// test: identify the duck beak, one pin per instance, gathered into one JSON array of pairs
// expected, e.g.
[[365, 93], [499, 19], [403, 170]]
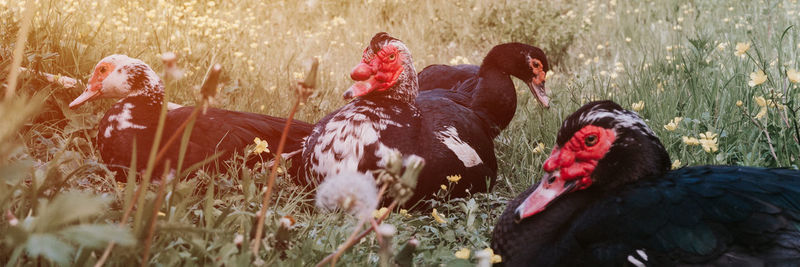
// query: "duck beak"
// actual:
[[540, 91], [364, 76], [90, 93], [549, 189], [360, 88]]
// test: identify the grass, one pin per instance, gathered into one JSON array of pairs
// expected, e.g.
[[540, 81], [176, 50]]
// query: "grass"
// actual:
[[676, 57]]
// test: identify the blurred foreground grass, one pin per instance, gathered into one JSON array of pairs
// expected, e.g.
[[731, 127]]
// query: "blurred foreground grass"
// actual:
[[666, 59]]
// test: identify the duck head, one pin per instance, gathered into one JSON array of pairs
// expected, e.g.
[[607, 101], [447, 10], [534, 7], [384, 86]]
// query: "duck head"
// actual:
[[599, 147], [527, 63], [119, 76], [386, 70]]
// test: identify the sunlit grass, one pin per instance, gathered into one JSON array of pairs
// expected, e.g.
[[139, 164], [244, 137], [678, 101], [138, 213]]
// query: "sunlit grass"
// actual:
[[665, 59]]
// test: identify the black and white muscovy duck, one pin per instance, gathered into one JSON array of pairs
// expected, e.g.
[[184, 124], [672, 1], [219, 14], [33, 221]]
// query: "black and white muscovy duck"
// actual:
[[451, 129], [609, 198], [135, 117]]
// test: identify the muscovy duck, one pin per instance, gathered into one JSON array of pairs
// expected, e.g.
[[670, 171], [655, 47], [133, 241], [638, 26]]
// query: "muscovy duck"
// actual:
[[609, 198], [489, 86], [135, 117], [452, 130]]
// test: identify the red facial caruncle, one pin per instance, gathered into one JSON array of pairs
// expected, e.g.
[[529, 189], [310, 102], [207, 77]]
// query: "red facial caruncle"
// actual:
[[569, 168], [95, 87], [536, 84], [376, 72]]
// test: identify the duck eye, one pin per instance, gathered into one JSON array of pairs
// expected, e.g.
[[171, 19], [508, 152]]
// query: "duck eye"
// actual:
[[590, 140], [391, 56], [102, 69]]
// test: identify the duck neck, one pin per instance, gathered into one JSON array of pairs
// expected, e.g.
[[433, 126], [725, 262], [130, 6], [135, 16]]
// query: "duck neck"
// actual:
[[142, 108], [495, 99], [405, 90]]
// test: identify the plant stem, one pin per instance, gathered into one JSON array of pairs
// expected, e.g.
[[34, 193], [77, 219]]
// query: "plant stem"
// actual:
[[174, 136], [332, 257], [156, 207], [766, 133], [272, 173], [19, 49]]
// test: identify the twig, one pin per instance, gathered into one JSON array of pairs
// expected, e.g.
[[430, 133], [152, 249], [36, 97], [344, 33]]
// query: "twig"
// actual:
[[349, 242], [67, 82]]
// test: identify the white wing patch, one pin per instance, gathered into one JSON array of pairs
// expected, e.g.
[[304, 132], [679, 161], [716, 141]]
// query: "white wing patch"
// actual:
[[638, 261], [635, 262], [123, 120], [463, 151]]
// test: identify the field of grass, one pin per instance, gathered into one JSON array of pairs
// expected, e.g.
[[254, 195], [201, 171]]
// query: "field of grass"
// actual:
[[697, 60]]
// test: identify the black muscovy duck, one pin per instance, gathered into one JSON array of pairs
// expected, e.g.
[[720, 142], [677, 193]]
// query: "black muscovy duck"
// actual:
[[609, 198], [489, 89], [451, 129], [135, 117], [526, 62]]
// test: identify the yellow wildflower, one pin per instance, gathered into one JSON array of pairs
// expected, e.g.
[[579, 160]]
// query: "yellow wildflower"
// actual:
[[404, 212], [673, 124], [495, 258], [676, 164], [741, 49], [436, 217], [761, 113], [454, 178], [793, 75], [761, 102], [739, 103], [379, 213], [709, 142], [444, 187], [261, 146], [757, 78], [722, 46], [638, 106], [463, 253], [690, 141], [538, 149]]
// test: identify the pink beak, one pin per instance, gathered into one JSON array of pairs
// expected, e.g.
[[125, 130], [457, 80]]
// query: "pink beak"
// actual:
[[90, 93], [549, 189]]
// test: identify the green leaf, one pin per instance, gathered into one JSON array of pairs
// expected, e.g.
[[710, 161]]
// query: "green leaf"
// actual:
[[67, 208], [98, 235], [49, 247]]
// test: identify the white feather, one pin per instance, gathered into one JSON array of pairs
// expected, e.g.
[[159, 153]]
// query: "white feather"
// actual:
[[468, 156]]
